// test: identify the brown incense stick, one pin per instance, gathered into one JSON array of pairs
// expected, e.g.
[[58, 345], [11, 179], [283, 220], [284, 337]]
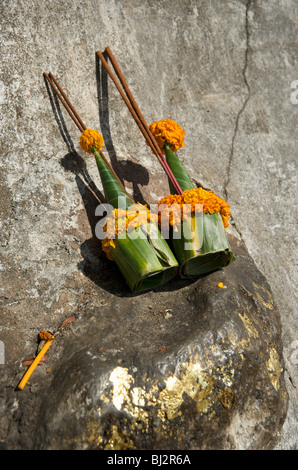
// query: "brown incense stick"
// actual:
[[126, 100], [131, 98], [65, 104], [136, 113]]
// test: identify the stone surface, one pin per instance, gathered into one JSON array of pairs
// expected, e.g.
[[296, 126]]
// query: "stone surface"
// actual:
[[200, 369], [224, 71]]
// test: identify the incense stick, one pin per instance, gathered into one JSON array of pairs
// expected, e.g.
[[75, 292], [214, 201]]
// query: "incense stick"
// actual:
[[34, 364], [67, 101], [131, 98]]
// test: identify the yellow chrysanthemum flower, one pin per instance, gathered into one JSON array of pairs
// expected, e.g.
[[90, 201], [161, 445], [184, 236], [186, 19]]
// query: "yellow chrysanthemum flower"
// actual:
[[91, 140], [168, 131], [210, 201], [121, 220]]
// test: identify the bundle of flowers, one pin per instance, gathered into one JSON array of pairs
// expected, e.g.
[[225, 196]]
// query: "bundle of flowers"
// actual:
[[132, 237], [200, 244], [198, 219]]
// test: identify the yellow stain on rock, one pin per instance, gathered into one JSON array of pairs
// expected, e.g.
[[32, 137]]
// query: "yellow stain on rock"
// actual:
[[226, 398], [92, 434], [164, 401], [192, 381], [118, 440], [121, 381]]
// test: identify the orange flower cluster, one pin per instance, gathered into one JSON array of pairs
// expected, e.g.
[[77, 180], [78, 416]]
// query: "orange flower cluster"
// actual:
[[91, 140], [168, 131], [211, 203], [121, 220]]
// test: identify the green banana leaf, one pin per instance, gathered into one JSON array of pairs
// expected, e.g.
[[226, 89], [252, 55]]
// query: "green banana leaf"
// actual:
[[203, 246], [178, 171], [143, 257]]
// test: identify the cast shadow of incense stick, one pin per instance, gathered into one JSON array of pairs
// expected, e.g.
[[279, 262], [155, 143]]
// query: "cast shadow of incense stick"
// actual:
[[128, 171]]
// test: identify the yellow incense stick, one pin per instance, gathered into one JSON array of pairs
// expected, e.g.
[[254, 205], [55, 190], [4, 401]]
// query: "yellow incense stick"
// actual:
[[34, 364]]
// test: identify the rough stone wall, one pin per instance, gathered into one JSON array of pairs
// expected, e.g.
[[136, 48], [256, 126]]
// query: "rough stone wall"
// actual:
[[223, 70]]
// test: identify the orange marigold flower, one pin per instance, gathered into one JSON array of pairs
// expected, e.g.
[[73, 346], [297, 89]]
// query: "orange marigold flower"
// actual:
[[91, 140], [211, 203], [168, 131]]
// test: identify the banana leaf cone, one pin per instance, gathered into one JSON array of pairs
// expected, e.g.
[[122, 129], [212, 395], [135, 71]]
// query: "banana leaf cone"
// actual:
[[178, 170], [203, 246], [143, 256]]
